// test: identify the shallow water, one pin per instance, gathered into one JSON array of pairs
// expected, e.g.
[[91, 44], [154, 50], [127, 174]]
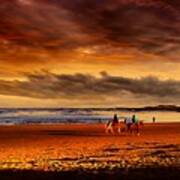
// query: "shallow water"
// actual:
[[25, 116]]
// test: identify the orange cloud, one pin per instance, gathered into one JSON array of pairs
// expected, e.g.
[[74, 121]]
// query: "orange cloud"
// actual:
[[129, 38]]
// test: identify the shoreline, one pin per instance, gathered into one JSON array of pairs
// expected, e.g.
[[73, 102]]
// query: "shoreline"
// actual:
[[81, 123]]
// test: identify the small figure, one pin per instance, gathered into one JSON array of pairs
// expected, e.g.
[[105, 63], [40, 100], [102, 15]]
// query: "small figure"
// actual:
[[135, 121], [115, 120], [112, 125], [128, 122], [154, 119]]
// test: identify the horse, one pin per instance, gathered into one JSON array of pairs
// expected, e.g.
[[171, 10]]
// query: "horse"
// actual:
[[113, 128], [122, 127], [136, 127]]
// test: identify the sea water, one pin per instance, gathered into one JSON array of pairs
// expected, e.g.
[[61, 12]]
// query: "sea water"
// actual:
[[68, 115]]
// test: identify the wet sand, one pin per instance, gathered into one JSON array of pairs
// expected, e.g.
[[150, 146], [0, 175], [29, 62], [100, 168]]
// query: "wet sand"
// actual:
[[86, 152]]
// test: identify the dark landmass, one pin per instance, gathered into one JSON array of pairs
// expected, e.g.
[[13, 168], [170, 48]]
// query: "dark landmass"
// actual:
[[172, 108]]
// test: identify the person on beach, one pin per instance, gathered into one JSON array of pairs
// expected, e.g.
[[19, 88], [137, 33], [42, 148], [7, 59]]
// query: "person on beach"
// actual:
[[135, 121], [128, 122], [112, 125], [154, 119], [115, 120]]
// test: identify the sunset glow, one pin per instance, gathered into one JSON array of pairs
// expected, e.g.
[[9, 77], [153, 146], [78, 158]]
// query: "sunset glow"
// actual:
[[82, 52]]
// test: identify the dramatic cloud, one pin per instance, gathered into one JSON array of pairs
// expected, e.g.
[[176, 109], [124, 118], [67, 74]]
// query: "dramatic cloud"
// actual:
[[78, 86], [130, 39], [150, 26], [144, 25]]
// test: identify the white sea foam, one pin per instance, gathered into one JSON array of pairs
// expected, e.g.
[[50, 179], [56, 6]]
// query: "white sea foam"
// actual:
[[27, 116]]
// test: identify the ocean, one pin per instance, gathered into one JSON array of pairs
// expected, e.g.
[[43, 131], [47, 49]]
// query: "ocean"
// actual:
[[69, 115]]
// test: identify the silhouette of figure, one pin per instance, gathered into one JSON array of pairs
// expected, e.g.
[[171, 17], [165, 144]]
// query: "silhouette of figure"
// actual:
[[136, 122], [128, 122], [112, 125], [115, 120]]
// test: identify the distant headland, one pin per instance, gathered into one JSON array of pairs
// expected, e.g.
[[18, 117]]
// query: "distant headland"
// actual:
[[172, 108]]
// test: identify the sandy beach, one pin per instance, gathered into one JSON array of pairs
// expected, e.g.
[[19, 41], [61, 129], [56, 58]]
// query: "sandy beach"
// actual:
[[46, 151]]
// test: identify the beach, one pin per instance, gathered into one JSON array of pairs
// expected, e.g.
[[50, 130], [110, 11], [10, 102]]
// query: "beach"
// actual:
[[85, 151]]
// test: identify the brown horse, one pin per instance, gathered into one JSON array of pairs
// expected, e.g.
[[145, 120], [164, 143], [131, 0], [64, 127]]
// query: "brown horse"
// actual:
[[136, 127]]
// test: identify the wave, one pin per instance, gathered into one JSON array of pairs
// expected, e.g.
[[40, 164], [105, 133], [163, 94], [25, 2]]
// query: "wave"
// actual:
[[72, 115]]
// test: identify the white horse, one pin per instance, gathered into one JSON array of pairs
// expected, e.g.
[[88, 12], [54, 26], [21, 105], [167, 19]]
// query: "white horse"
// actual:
[[112, 128]]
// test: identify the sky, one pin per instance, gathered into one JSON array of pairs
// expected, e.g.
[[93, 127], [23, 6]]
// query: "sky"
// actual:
[[89, 53]]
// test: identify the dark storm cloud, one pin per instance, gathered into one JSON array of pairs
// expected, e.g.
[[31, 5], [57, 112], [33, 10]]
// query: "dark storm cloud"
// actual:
[[150, 26], [146, 25], [77, 86], [35, 25]]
